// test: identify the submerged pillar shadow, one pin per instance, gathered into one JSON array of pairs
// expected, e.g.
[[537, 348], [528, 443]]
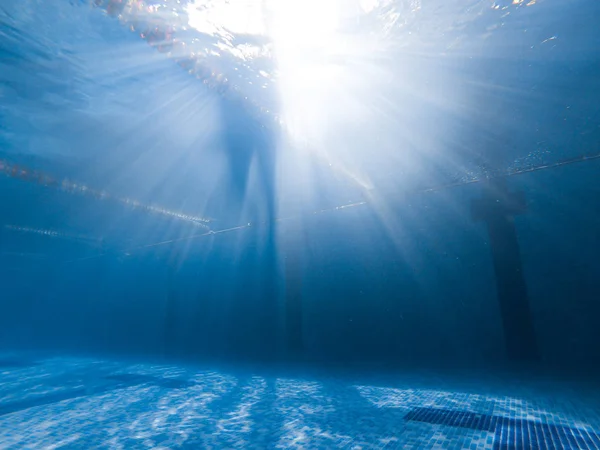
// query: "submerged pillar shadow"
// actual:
[[497, 208], [293, 268]]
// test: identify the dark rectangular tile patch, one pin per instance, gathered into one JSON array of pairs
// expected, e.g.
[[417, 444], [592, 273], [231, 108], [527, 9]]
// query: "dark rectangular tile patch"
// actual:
[[511, 433], [528, 434], [450, 418]]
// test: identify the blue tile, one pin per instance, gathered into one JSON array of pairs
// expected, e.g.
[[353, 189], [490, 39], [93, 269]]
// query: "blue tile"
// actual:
[[450, 418], [510, 433]]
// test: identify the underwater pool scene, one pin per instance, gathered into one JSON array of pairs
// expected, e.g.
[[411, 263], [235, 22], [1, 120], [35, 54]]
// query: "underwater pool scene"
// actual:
[[303, 224]]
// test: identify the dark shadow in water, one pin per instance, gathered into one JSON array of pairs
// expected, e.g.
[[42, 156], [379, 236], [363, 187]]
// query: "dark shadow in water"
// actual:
[[48, 399], [10, 363], [121, 381]]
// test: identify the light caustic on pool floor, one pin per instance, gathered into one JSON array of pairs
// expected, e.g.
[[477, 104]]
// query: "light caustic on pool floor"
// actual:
[[87, 403]]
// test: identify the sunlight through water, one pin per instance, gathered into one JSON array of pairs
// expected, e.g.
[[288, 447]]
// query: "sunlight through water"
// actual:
[[355, 101]]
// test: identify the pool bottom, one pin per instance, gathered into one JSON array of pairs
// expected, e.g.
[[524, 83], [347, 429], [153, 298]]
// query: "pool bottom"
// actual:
[[85, 403]]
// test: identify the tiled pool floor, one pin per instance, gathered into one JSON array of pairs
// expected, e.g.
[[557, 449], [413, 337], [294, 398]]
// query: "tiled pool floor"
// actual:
[[77, 403]]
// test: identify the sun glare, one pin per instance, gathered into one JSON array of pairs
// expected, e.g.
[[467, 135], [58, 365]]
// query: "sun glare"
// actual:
[[309, 51], [303, 34], [302, 24], [235, 16]]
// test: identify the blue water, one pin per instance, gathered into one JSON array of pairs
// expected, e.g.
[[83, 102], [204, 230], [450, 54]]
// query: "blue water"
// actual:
[[175, 175]]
